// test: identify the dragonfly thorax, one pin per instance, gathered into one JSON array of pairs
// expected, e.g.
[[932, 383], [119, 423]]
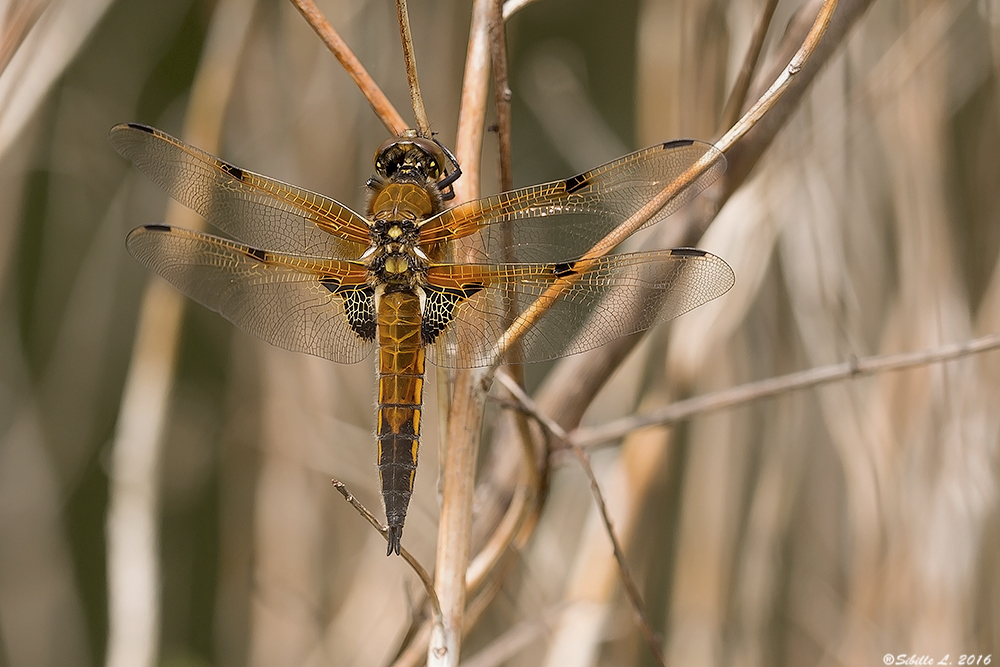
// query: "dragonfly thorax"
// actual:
[[394, 257]]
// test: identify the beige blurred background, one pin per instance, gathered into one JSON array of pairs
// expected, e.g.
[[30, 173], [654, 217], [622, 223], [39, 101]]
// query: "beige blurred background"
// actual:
[[824, 527]]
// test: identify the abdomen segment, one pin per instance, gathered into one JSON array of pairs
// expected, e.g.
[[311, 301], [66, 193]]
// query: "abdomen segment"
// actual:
[[400, 393]]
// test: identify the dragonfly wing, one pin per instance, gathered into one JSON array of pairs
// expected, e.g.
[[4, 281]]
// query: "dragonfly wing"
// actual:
[[582, 304], [252, 208], [321, 307], [563, 219]]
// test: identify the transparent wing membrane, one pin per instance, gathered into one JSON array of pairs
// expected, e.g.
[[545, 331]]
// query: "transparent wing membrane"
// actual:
[[304, 305], [563, 219], [587, 304], [252, 208]]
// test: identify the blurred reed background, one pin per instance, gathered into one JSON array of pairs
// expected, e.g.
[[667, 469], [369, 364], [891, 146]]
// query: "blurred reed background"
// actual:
[[827, 526]]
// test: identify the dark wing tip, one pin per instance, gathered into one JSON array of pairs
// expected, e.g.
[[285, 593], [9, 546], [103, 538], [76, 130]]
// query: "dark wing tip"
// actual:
[[394, 536], [678, 143], [688, 252], [140, 127], [157, 228]]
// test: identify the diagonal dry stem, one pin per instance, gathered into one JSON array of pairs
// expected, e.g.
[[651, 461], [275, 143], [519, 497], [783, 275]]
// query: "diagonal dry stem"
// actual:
[[380, 104], [738, 95], [540, 306]]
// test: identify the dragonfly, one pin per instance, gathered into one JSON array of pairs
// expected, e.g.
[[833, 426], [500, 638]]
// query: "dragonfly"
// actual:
[[308, 274]]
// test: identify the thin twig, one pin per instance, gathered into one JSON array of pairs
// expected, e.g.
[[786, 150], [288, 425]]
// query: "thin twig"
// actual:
[[425, 577], [752, 391], [529, 406], [403, 17], [631, 590], [739, 93], [380, 104]]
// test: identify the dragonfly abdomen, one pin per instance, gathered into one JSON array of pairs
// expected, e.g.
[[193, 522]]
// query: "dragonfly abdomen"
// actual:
[[400, 394]]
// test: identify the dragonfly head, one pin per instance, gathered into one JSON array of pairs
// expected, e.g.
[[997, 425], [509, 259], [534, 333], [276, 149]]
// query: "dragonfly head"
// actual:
[[410, 156]]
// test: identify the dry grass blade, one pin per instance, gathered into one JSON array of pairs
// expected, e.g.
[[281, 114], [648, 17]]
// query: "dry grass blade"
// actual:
[[753, 391], [41, 57], [410, 59], [18, 21], [380, 104]]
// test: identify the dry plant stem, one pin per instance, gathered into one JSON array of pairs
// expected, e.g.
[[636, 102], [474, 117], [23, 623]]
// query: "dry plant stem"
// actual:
[[425, 578], [138, 438], [403, 17], [738, 95], [562, 394], [376, 98], [752, 391], [461, 445], [539, 307], [472, 114], [501, 89], [784, 79], [747, 152]]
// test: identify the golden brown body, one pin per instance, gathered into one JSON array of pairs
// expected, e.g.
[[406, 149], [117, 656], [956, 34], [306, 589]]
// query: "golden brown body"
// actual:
[[400, 393], [397, 268]]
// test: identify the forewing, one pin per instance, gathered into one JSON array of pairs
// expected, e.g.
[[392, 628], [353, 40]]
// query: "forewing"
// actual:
[[582, 304], [252, 208], [563, 219], [321, 307]]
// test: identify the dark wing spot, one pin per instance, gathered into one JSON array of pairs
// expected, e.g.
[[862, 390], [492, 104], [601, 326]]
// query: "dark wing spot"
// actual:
[[331, 284], [156, 228], [359, 307], [678, 143], [576, 182], [257, 253], [232, 170], [563, 269], [439, 308], [142, 128], [688, 252]]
